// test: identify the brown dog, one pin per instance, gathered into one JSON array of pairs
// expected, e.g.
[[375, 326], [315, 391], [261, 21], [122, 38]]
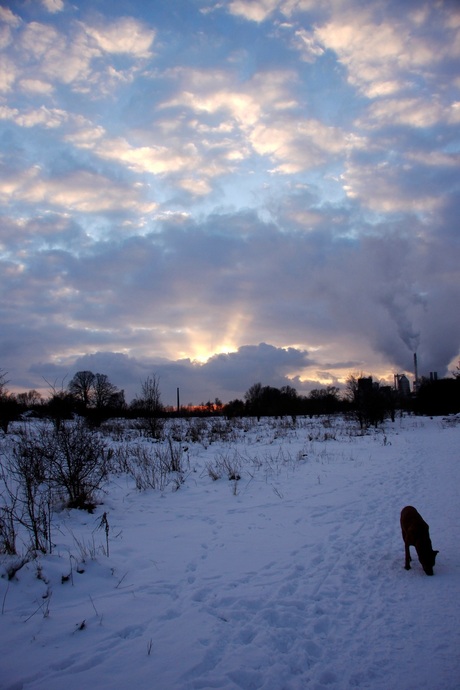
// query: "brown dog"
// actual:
[[415, 532]]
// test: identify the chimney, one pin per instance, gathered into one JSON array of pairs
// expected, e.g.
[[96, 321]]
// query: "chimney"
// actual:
[[415, 371]]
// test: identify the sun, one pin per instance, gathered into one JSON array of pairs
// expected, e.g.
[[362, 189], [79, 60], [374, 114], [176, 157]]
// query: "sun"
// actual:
[[203, 354], [204, 345]]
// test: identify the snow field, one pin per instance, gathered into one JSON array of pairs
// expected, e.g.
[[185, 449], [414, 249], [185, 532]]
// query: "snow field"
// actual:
[[290, 578]]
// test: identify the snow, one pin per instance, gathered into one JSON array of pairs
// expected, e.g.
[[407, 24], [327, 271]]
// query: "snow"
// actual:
[[290, 578]]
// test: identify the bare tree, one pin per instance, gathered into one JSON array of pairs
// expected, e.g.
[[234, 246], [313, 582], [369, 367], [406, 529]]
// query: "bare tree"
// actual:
[[253, 398], [8, 405], [351, 386], [29, 398], [81, 386], [60, 403], [254, 394], [151, 396], [325, 400], [370, 403], [150, 407], [3, 383], [103, 391]]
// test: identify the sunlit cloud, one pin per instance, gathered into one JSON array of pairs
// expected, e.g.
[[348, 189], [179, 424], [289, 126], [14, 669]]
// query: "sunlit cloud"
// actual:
[[195, 186], [385, 57], [35, 86], [43, 116], [256, 190], [125, 35], [7, 74], [53, 5], [48, 56], [298, 146], [153, 159], [83, 192], [253, 10], [8, 17], [413, 112]]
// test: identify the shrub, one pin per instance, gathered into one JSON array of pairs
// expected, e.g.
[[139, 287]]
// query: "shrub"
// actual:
[[224, 464], [144, 465], [154, 467], [78, 460], [26, 493]]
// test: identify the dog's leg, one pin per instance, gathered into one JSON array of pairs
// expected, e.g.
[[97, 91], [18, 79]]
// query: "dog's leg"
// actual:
[[408, 557]]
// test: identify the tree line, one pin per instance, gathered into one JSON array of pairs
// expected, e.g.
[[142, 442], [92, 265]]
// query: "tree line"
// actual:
[[94, 397]]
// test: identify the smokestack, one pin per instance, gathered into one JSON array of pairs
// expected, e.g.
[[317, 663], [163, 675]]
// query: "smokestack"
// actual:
[[415, 371], [178, 402]]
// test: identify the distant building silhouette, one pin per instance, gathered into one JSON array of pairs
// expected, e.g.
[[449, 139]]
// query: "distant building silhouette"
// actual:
[[402, 385]]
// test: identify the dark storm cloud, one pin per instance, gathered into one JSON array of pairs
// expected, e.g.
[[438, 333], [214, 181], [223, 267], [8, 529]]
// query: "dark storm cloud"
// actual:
[[229, 374]]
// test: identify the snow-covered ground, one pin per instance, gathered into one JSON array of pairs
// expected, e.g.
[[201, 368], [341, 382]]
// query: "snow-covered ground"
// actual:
[[290, 578]]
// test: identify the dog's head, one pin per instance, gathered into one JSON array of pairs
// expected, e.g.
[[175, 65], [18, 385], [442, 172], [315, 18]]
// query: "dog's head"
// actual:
[[427, 558]]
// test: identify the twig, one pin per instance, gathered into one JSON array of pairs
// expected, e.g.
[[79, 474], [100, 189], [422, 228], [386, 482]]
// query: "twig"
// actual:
[[104, 523], [92, 604], [4, 597], [121, 580], [44, 603]]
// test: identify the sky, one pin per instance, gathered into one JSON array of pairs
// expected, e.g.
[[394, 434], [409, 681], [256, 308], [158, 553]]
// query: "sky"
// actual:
[[228, 192]]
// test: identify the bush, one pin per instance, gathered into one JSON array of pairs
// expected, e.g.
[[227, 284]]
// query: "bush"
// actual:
[[154, 467], [78, 461], [26, 494], [146, 468], [41, 466], [224, 464]]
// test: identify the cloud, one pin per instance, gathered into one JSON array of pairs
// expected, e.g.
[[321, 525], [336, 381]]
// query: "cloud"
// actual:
[[208, 91], [266, 188], [305, 42], [53, 6], [50, 56], [80, 191], [144, 297], [125, 35], [242, 128], [9, 18], [262, 117], [35, 86], [253, 10], [384, 56], [154, 159], [84, 135], [418, 182], [299, 146], [386, 188], [80, 58], [21, 236], [250, 364], [411, 112], [7, 74], [227, 375], [42, 116]]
